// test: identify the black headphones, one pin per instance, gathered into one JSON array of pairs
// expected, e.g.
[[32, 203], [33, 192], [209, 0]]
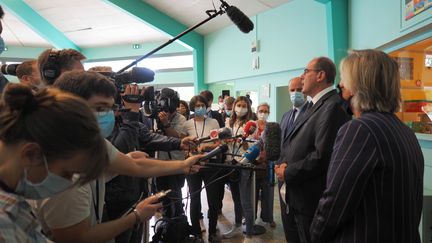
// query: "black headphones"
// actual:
[[50, 70]]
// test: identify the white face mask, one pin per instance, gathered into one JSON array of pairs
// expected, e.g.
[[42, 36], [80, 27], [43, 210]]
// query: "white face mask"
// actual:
[[262, 116], [240, 112]]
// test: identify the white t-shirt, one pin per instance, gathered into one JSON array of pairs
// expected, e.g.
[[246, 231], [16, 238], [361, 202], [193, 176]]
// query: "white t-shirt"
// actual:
[[76, 204], [200, 129], [235, 147], [177, 123]]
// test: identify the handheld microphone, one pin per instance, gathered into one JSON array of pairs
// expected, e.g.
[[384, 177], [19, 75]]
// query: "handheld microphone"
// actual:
[[249, 129], [238, 17], [220, 149], [221, 133], [251, 154], [272, 140]]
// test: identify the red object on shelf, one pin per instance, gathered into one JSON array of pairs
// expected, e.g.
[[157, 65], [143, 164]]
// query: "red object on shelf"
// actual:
[[414, 106]]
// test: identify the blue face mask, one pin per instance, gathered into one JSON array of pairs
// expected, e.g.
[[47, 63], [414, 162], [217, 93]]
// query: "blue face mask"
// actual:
[[297, 99], [200, 111], [228, 112], [106, 122], [50, 186], [2, 45]]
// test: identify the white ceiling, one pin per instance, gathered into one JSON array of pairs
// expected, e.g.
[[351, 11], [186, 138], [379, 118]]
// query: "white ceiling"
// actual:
[[95, 23], [16, 33], [191, 12]]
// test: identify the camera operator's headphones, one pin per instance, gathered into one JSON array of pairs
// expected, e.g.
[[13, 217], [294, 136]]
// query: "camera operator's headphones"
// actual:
[[51, 70], [171, 97]]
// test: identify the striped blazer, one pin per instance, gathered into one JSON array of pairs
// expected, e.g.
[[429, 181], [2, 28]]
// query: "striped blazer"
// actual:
[[374, 190]]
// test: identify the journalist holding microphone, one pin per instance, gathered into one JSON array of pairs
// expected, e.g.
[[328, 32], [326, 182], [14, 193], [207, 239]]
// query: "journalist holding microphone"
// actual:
[[201, 126], [46, 138], [75, 214]]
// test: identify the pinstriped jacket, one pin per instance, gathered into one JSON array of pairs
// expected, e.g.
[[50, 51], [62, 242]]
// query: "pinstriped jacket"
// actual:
[[374, 190]]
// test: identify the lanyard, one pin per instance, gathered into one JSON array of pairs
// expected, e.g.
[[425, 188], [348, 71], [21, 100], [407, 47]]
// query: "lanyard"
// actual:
[[196, 131], [96, 204]]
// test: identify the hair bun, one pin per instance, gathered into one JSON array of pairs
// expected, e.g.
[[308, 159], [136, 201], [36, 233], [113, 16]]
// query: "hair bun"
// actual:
[[19, 97]]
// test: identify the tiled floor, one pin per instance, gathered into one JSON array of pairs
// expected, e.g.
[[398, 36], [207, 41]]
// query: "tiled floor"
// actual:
[[272, 235]]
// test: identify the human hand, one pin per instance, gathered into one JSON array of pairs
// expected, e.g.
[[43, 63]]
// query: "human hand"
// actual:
[[188, 143], [164, 118], [191, 164], [280, 171], [132, 89], [148, 207], [137, 155]]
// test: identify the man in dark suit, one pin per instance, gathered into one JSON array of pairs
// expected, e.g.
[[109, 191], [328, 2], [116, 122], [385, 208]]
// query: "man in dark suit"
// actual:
[[298, 100], [374, 187], [309, 144]]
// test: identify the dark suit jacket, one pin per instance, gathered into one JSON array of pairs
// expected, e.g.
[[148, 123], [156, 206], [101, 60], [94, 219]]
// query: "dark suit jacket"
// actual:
[[374, 187], [308, 150], [285, 123]]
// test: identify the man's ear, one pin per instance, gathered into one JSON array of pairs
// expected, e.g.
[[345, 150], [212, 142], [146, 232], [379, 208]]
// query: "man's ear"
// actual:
[[31, 154], [321, 76]]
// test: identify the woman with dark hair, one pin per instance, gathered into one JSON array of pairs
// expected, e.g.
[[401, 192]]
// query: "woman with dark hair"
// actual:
[[201, 126], [183, 109], [374, 190], [46, 138]]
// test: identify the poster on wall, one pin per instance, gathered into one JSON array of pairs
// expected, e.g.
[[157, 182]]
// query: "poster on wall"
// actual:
[[406, 67], [414, 7]]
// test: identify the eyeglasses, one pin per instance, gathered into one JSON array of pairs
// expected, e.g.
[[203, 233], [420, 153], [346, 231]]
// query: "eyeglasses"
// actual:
[[101, 110], [306, 70]]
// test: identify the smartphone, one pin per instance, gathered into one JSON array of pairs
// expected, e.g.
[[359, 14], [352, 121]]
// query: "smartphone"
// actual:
[[160, 195]]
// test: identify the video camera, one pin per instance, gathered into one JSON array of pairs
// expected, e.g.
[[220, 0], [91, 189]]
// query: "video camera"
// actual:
[[136, 75], [9, 69], [157, 101]]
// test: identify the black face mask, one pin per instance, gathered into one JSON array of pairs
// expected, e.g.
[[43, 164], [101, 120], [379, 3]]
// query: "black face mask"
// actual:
[[346, 104]]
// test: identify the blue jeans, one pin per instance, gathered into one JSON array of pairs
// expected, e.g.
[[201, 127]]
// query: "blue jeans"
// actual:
[[247, 202]]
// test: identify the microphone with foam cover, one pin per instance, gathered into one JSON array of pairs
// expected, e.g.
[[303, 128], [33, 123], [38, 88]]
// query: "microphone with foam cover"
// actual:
[[249, 129], [238, 18], [272, 141]]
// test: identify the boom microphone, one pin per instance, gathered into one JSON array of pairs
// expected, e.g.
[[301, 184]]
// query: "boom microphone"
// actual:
[[220, 149], [238, 18], [272, 140]]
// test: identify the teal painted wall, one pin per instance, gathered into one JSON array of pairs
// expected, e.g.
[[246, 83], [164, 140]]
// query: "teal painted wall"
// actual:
[[377, 23], [289, 36]]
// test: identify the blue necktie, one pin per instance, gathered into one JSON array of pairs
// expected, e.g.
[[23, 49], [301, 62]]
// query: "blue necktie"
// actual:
[[292, 119]]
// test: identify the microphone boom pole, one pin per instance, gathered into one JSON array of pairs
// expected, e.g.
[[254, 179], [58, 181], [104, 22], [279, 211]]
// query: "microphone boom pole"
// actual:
[[212, 14]]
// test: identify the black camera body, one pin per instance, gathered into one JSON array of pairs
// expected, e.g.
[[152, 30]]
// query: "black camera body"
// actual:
[[136, 75], [165, 100]]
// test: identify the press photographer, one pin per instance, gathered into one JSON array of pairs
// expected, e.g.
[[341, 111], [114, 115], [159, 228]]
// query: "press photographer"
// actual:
[[170, 123]]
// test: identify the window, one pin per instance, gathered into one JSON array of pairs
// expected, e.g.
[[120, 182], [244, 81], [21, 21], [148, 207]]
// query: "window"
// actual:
[[164, 63], [416, 85]]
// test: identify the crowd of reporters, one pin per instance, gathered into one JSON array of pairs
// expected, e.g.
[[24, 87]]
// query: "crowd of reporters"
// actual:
[[78, 154]]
